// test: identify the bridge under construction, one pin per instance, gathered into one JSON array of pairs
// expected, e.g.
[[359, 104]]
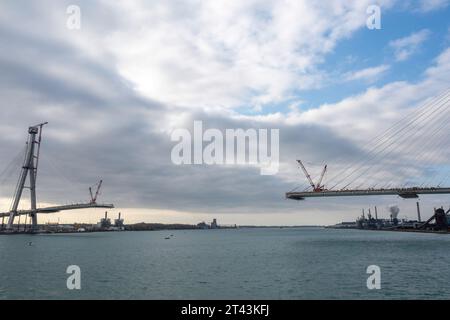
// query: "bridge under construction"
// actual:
[[29, 172], [406, 193], [409, 159]]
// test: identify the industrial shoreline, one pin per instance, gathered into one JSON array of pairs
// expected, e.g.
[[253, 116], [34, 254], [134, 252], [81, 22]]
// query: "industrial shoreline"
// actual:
[[106, 225], [337, 227], [439, 222]]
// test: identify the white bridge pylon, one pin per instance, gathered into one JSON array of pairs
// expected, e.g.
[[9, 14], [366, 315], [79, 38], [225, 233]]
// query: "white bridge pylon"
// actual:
[[29, 170]]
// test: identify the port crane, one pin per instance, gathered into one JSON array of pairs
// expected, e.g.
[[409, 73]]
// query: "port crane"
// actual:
[[29, 171]]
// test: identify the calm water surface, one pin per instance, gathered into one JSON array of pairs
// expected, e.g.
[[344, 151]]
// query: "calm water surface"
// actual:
[[304, 263]]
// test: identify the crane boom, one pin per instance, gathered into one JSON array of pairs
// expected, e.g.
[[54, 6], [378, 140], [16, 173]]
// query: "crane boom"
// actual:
[[307, 174], [94, 198], [92, 195], [319, 184], [98, 190], [316, 187]]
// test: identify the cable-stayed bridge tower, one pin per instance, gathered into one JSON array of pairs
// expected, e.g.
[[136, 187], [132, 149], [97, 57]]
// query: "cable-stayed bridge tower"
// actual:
[[29, 172], [29, 169]]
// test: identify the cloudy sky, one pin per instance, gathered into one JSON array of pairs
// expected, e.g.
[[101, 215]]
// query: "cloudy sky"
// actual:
[[114, 90]]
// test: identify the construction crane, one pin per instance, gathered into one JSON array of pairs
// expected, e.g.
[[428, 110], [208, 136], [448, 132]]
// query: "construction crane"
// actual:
[[318, 190], [318, 186], [94, 197]]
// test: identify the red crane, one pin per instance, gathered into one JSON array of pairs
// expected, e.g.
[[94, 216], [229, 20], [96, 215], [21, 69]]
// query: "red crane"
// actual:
[[94, 198], [318, 186]]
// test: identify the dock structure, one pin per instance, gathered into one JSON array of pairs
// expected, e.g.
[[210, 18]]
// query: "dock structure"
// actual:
[[29, 171]]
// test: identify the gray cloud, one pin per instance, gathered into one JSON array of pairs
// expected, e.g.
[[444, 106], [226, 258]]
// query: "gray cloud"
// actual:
[[101, 127]]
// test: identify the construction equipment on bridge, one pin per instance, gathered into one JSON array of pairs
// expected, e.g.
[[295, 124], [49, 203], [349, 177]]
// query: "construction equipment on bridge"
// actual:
[[94, 198], [407, 160], [30, 170], [316, 187], [406, 193]]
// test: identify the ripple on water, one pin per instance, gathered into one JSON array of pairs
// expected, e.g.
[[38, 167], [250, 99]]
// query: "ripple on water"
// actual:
[[245, 264]]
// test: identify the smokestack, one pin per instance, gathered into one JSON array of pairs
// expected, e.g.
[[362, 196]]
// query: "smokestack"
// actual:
[[119, 215], [376, 213], [364, 217], [106, 215], [418, 212]]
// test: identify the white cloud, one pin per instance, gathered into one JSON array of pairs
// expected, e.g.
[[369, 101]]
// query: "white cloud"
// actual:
[[364, 115], [369, 74], [230, 53], [405, 47]]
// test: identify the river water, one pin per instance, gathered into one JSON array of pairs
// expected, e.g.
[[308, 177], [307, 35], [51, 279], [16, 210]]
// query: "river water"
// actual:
[[273, 263]]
